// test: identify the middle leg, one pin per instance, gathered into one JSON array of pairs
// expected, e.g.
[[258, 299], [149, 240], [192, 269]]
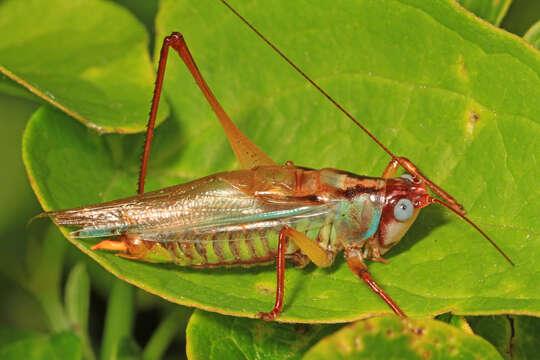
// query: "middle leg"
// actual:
[[280, 287]]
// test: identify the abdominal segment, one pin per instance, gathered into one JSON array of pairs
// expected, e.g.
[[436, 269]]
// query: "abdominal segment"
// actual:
[[225, 248], [217, 249]]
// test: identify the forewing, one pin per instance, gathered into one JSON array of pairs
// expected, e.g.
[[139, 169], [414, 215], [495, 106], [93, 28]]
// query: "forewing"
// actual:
[[196, 208], [308, 217]]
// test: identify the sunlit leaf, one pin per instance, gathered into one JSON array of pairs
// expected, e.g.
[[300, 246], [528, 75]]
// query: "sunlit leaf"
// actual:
[[88, 58], [392, 338], [210, 336]]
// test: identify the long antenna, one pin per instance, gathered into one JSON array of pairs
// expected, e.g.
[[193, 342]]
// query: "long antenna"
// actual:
[[308, 79], [406, 164], [433, 200]]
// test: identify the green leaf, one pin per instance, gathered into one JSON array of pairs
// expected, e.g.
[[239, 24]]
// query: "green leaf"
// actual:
[[458, 321], [495, 329], [430, 81], [213, 336], [492, 11], [95, 68], [21, 344], [533, 35], [525, 343], [390, 337], [66, 346], [515, 337], [145, 11]]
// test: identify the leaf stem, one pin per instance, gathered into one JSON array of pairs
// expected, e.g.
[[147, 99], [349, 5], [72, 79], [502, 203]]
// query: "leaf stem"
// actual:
[[46, 260], [119, 318], [54, 312], [77, 304]]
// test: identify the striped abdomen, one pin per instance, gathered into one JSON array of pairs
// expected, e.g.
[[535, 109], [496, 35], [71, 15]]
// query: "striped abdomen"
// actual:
[[228, 248]]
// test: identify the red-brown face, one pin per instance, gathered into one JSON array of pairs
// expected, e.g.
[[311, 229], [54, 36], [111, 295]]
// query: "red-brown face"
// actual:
[[403, 200]]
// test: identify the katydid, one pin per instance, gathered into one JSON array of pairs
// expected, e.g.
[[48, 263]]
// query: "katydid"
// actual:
[[265, 212]]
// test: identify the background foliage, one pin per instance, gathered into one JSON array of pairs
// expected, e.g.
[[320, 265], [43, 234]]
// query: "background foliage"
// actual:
[[49, 309]]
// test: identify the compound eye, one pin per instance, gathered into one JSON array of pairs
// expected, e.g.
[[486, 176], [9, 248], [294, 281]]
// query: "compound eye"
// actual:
[[403, 210], [408, 177]]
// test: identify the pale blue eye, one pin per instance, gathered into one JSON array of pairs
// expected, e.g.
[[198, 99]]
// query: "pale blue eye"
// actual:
[[403, 210], [408, 177]]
